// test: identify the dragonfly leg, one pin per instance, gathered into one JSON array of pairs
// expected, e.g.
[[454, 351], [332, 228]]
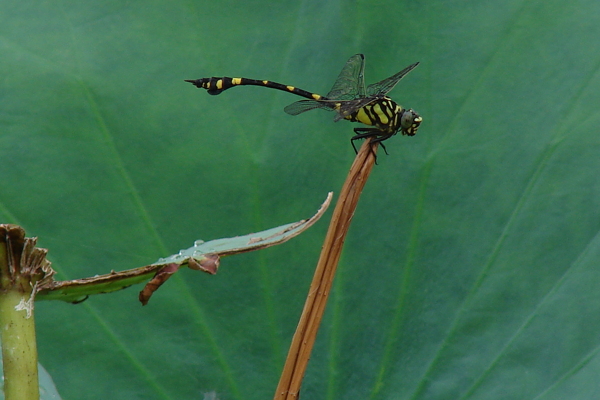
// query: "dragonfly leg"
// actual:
[[363, 133], [384, 149], [380, 140]]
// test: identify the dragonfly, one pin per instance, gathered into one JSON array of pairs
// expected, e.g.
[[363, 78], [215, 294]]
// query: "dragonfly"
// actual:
[[348, 97]]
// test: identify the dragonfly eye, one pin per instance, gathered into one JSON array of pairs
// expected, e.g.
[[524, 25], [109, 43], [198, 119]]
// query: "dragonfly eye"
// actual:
[[409, 122]]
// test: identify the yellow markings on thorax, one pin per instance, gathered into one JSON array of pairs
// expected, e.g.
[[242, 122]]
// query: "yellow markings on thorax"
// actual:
[[383, 118], [236, 81], [362, 117], [381, 114], [219, 84]]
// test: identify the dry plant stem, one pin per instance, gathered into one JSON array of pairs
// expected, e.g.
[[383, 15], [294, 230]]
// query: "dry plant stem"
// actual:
[[306, 332]]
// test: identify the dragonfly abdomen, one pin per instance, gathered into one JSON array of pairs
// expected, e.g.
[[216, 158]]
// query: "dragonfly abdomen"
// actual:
[[216, 85]]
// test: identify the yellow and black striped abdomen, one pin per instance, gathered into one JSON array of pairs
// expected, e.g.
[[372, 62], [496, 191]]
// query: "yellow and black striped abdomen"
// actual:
[[215, 86], [382, 113]]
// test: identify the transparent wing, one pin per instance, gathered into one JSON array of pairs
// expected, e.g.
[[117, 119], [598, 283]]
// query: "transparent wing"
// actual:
[[350, 83], [306, 105], [349, 106], [343, 108], [384, 86]]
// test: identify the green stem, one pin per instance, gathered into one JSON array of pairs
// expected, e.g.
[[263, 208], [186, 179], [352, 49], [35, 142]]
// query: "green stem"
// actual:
[[22, 265], [19, 351]]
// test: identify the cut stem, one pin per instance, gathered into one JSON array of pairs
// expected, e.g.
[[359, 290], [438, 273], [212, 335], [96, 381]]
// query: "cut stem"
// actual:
[[19, 350], [22, 267], [314, 307]]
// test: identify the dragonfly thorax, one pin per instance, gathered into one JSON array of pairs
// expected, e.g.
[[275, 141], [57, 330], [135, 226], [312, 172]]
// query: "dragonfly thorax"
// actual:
[[387, 116]]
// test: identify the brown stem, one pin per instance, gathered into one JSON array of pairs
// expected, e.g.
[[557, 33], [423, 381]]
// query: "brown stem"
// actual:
[[314, 307]]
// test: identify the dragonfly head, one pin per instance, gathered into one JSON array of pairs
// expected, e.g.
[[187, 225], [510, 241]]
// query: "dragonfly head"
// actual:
[[409, 122]]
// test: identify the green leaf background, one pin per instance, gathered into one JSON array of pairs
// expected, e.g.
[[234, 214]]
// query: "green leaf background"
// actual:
[[471, 270]]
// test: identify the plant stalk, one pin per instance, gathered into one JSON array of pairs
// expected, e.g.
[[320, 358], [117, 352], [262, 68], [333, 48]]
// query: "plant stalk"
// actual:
[[314, 307], [22, 267], [19, 350]]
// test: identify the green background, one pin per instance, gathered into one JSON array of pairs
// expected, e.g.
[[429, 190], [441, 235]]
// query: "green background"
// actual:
[[471, 270]]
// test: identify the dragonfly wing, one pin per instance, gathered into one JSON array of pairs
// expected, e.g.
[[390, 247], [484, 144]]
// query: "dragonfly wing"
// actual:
[[350, 83], [306, 105], [348, 107], [384, 86]]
